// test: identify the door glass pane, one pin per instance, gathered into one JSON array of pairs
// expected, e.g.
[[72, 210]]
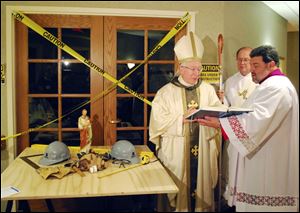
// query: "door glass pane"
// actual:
[[135, 81], [130, 45], [42, 137], [42, 78], [71, 138], [70, 104], [164, 53], [159, 75], [79, 40], [136, 137], [75, 78], [39, 47], [130, 111], [42, 111]]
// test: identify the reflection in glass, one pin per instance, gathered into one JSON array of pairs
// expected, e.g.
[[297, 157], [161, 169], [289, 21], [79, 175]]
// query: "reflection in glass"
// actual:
[[159, 75], [71, 138], [42, 111], [39, 47], [75, 78], [166, 52], [136, 137], [68, 105], [79, 40], [42, 78], [135, 81], [42, 137], [130, 45], [130, 111]]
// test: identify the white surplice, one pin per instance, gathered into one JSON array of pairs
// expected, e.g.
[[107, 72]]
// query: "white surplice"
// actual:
[[267, 139], [168, 133], [237, 90]]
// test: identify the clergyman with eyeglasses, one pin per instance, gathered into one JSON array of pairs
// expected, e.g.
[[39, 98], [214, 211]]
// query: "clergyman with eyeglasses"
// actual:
[[238, 88], [266, 140], [188, 151]]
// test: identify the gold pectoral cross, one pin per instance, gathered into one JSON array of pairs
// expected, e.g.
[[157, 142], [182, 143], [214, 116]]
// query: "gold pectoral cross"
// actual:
[[193, 104], [243, 93], [195, 150]]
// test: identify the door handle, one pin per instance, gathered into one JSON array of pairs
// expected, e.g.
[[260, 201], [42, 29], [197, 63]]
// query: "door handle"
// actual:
[[115, 121]]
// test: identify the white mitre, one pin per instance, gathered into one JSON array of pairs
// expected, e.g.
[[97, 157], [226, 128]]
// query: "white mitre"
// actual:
[[189, 48]]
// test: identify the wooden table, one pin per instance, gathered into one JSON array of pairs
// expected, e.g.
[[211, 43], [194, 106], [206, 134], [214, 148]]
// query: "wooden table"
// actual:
[[151, 178]]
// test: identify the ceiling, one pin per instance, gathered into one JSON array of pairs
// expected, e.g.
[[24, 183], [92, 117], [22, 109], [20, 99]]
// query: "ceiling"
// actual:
[[289, 10]]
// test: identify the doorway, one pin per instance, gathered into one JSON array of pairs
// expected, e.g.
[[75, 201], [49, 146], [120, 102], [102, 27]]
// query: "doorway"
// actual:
[[50, 83]]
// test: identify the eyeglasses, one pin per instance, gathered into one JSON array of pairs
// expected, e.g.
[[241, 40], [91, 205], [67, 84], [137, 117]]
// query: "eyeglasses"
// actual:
[[121, 162], [246, 60], [193, 69]]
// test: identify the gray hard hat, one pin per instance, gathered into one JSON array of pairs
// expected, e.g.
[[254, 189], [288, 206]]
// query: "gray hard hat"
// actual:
[[124, 150], [56, 152]]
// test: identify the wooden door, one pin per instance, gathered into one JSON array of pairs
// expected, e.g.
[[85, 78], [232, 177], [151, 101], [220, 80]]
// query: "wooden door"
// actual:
[[129, 40], [50, 83]]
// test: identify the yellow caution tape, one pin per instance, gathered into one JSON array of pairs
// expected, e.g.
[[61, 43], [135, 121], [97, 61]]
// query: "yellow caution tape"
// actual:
[[146, 153], [28, 22], [34, 26]]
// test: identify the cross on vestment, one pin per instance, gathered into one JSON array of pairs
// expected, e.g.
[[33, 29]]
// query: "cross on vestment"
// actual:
[[243, 93], [193, 104], [195, 150]]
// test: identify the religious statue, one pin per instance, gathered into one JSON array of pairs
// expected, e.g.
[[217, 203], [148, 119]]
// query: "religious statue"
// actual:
[[85, 127]]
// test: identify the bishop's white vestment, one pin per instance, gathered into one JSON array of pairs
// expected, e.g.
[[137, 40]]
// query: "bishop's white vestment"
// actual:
[[169, 134], [267, 140]]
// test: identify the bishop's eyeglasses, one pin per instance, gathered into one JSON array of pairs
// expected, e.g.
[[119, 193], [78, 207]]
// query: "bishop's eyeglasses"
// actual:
[[198, 69]]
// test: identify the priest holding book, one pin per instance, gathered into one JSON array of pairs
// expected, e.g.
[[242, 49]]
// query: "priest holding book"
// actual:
[[188, 151], [267, 139], [238, 88]]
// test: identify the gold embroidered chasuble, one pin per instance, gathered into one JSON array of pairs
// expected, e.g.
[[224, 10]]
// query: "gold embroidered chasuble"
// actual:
[[184, 149]]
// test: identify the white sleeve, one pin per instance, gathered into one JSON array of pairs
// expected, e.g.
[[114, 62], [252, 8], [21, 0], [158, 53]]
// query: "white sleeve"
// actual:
[[248, 131]]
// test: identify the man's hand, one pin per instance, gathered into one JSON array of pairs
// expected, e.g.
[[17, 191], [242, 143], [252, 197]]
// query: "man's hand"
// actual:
[[188, 112], [210, 122]]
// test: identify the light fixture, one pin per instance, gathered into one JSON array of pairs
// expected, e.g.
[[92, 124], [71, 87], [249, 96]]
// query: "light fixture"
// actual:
[[66, 63], [130, 65]]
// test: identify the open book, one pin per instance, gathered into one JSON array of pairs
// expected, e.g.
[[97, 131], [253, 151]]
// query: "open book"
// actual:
[[219, 111]]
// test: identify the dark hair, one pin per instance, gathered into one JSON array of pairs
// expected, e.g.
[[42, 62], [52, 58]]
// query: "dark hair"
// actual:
[[267, 52], [239, 50]]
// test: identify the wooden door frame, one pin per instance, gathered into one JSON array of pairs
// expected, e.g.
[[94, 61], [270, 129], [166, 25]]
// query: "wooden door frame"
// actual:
[[10, 53]]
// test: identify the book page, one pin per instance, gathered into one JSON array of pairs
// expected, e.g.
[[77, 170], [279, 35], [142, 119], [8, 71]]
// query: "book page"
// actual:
[[221, 108], [232, 108], [219, 111], [207, 111]]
